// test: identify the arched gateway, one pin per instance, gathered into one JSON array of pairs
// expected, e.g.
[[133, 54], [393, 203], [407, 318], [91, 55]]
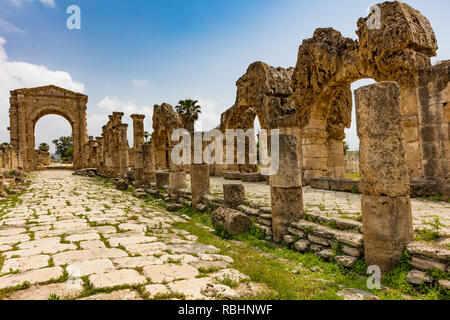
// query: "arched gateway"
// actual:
[[27, 106]]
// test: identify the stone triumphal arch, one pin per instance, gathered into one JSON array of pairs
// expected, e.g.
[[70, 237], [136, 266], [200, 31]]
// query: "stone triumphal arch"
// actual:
[[27, 106]]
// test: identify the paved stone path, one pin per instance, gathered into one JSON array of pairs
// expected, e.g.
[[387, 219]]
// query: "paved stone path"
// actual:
[[345, 205], [69, 236]]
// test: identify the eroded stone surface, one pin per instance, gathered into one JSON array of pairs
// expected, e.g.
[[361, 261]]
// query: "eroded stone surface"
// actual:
[[117, 278], [76, 227]]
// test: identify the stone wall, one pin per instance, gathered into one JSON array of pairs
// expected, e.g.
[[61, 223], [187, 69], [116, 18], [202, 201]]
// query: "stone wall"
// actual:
[[9, 160], [329, 63], [42, 158], [351, 163]]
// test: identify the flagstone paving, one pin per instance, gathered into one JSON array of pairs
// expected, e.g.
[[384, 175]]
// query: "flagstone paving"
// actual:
[[68, 235], [426, 214]]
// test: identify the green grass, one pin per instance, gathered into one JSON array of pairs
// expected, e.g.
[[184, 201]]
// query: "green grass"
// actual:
[[354, 176], [261, 260]]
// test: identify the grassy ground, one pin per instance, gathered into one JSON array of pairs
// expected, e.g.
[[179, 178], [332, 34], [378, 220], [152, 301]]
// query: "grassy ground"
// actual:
[[295, 276], [354, 176], [289, 275]]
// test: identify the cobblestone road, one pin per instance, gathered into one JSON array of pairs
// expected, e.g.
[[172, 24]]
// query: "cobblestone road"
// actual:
[[70, 236]]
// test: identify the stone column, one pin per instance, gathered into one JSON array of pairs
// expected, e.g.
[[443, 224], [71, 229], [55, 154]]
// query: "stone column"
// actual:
[[90, 152], [314, 151], [336, 159], [123, 150], [148, 163], [433, 93], [386, 208], [100, 159], [286, 187], [138, 142], [116, 142], [199, 182], [177, 177], [138, 130]]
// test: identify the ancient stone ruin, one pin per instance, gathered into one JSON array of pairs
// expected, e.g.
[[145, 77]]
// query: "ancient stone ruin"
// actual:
[[402, 122]]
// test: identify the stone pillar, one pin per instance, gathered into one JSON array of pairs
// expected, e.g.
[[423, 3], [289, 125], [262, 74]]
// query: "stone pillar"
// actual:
[[286, 187], [162, 179], [116, 143], [148, 163], [434, 96], [138, 142], [199, 182], [409, 99], [336, 159], [123, 150], [315, 152], [100, 159], [233, 194], [90, 153], [138, 130], [386, 208], [177, 178]]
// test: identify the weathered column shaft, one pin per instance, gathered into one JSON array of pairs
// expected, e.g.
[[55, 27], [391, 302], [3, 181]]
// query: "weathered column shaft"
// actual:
[[148, 164], [286, 187], [336, 159], [315, 153], [138, 142], [123, 149], [138, 130], [386, 208], [199, 182]]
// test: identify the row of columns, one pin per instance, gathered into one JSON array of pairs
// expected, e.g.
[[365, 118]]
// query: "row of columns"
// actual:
[[386, 209]]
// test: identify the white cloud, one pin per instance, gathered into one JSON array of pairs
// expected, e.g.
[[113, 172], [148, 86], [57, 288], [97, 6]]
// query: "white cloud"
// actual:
[[9, 27], [140, 83], [210, 116], [48, 3], [114, 104], [17, 74]]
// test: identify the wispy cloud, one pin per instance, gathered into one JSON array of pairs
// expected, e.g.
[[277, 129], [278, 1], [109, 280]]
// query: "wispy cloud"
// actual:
[[48, 3], [18, 74], [140, 83], [8, 27]]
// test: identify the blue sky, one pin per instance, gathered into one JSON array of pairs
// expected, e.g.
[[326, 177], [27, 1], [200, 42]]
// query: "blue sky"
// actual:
[[132, 54]]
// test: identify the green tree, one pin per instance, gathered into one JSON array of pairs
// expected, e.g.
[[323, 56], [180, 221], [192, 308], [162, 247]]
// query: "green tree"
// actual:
[[63, 144], [44, 147], [346, 147], [189, 111]]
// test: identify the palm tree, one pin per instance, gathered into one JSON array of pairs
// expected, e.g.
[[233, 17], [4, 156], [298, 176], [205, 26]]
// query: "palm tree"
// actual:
[[44, 147], [146, 135], [189, 112]]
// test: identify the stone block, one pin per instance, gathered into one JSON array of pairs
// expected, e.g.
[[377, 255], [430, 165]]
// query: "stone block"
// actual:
[[426, 264], [252, 177], [382, 147], [387, 228], [162, 179], [233, 221], [177, 180], [200, 183], [420, 188], [287, 207], [345, 261], [417, 277], [232, 175], [233, 194], [289, 172], [345, 185], [320, 183]]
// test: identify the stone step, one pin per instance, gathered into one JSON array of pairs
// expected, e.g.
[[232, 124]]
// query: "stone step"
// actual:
[[334, 222]]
